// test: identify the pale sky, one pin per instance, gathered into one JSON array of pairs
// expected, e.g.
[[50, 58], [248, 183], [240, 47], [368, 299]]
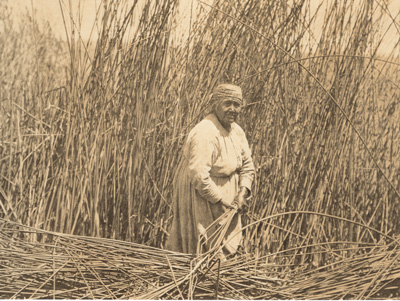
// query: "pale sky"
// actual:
[[50, 10]]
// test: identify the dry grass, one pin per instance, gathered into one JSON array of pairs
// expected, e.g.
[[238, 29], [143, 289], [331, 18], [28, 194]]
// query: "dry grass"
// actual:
[[76, 267], [88, 146]]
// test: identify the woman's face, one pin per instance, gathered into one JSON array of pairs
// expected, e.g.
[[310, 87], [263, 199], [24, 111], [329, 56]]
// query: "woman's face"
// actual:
[[227, 111]]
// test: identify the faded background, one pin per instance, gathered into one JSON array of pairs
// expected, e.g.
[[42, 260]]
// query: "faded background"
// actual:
[[96, 100]]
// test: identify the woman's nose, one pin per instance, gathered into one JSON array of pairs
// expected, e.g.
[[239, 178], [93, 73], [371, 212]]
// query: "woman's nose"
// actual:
[[235, 108]]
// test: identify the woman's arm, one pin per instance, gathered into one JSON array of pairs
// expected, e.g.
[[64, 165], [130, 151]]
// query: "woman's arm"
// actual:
[[201, 149], [246, 174]]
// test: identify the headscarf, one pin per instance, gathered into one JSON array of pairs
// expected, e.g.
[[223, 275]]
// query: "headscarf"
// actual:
[[227, 91]]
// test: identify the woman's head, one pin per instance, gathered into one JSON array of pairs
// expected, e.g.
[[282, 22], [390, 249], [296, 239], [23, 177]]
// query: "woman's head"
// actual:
[[227, 103]]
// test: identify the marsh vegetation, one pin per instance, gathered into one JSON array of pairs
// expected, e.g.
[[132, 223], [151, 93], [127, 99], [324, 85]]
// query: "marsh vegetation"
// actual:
[[91, 131]]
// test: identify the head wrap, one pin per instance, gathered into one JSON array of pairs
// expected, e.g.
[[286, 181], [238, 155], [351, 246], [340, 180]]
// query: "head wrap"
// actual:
[[227, 91]]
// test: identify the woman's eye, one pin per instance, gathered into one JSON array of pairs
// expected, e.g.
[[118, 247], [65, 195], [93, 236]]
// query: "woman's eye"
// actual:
[[230, 103]]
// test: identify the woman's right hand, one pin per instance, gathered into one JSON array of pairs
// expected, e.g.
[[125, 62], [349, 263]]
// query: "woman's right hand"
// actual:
[[227, 205]]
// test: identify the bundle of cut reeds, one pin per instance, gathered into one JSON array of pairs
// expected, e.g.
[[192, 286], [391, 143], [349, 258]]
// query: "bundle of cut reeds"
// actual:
[[40, 264]]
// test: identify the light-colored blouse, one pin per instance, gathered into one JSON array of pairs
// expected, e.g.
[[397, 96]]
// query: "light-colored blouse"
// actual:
[[215, 164]]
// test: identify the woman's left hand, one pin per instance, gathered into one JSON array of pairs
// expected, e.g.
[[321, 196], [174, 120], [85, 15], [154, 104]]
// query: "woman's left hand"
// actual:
[[240, 200]]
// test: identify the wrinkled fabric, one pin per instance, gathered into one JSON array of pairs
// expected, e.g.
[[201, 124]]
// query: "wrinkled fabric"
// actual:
[[227, 91], [215, 164]]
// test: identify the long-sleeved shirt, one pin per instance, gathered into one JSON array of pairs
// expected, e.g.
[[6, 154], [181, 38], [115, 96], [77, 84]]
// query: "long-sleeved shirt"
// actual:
[[215, 164]]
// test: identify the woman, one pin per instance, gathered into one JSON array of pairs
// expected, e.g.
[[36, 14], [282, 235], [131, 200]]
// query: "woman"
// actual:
[[215, 175]]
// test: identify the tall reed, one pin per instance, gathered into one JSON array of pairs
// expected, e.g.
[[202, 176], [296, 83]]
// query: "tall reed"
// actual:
[[95, 154]]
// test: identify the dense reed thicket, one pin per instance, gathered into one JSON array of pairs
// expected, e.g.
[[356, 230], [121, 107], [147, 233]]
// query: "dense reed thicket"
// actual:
[[92, 150]]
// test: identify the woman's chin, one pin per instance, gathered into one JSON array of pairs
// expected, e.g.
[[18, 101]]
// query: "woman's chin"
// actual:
[[228, 124]]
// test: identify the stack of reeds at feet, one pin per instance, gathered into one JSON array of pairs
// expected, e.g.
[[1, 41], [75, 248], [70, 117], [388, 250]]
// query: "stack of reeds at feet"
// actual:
[[38, 264]]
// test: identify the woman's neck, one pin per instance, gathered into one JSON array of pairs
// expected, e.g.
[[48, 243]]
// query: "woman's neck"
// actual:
[[227, 127]]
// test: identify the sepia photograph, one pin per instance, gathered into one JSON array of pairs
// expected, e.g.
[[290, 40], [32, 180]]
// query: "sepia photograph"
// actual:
[[200, 149]]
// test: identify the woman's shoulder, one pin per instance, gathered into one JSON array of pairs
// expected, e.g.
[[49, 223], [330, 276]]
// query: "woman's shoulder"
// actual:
[[205, 128], [207, 125]]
